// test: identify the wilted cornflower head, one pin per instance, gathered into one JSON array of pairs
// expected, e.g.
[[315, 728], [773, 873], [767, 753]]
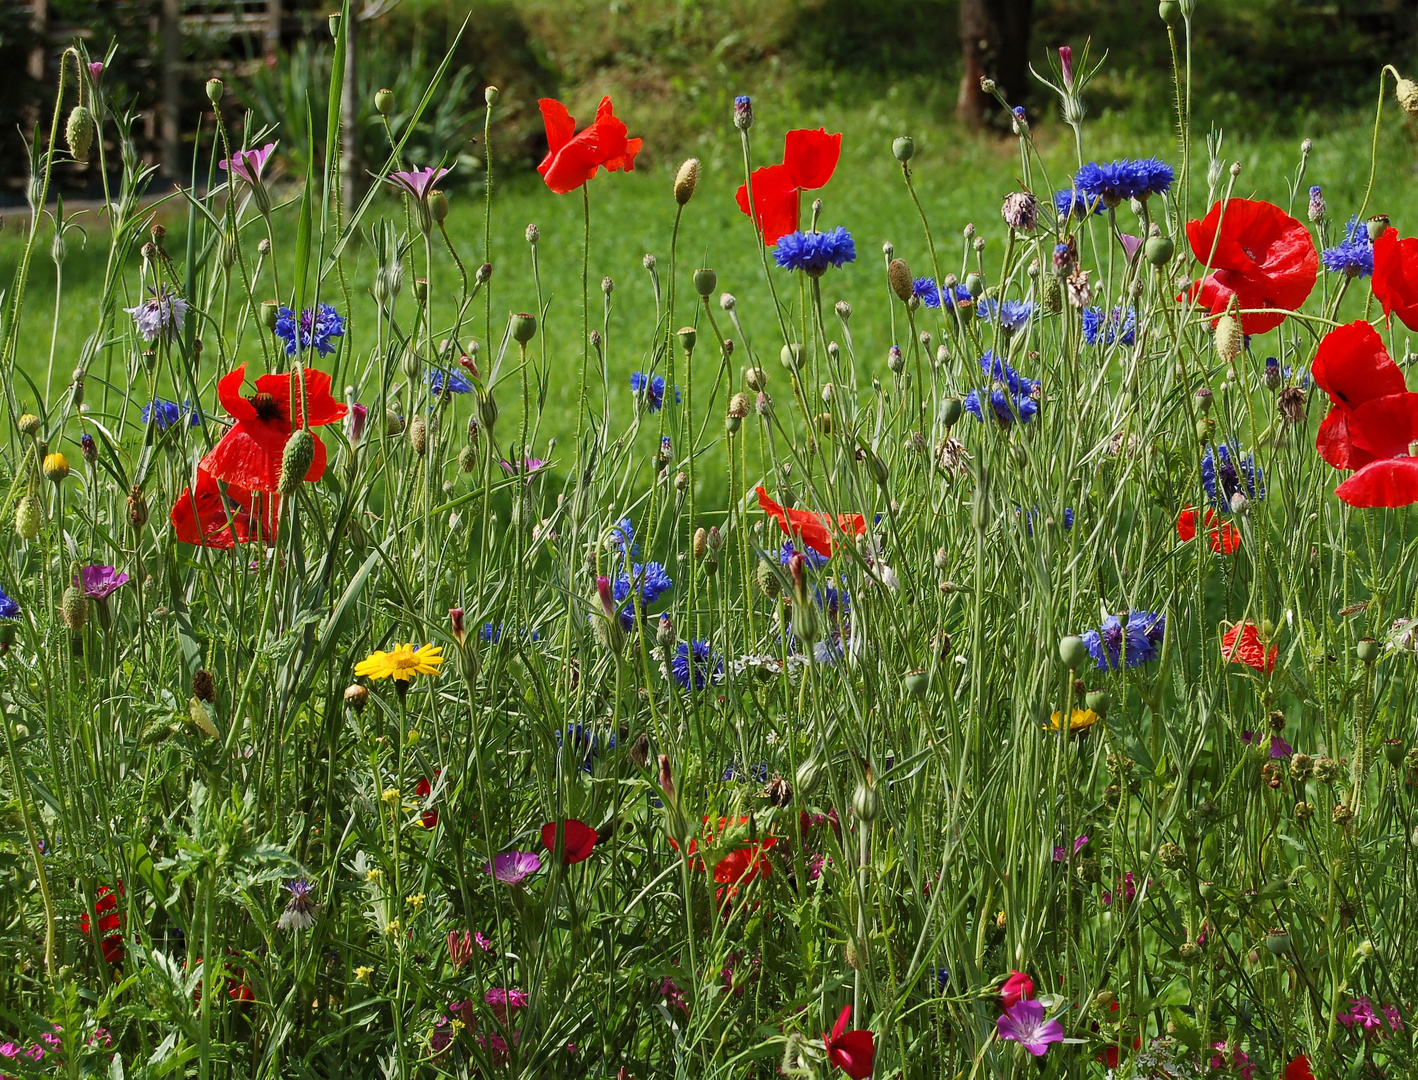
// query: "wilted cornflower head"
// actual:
[[1071, 202], [99, 582], [1131, 644], [300, 908], [1011, 314], [454, 383], [814, 252], [1115, 182], [166, 414], [160, 316], [695, 665], [316, 329], [1011, 396], [1355, 255], [513, 867], [1115, 328], [1226, 471], [653, 387], [930, 293], [1020, 210]]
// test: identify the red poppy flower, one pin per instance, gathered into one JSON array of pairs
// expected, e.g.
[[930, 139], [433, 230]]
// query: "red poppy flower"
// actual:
[[206, 518], [110, 923], [851, 1051], [249, 455], [1395, 280], [573, 159], [1242, 644], [809, 159], [1225, 538], [745, 865], [1352, 367], [1262, 256], [578, 839], [423, 789], [1299, 1069], [1018, 987], [814, 529]]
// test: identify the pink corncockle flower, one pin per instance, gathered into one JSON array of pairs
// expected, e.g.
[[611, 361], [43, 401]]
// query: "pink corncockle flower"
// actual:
[[1024, 1023], [248, 165], [1018, 987], [815, 866], [35, 1053], [1240, 1060], [674, 995], [354, 422], [417, 182], [99, 582], [1066, 60], [513, 867], [1361, 1014], [504, 1002], [95, 70], [528, 465], [482, 942]]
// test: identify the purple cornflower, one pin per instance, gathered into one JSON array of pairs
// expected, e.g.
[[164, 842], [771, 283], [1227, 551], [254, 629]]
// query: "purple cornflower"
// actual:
[[1316, 208], [317, 327], [1114, 182], [1226, 471], [159, 316], [99, 582], [513, 867], [1072, 202], [1011, 396], [167, 414], [417, 182], [450, 382], [1115, 327], [1024, 1023], [1129, 644], [812, 558], [248, 165], [814, 252], [300, 909]]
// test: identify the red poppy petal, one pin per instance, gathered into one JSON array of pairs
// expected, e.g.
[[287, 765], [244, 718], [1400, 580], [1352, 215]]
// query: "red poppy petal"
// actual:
[[1392, 482], [1226, 540], [1299, 1069], [811, 156], [775, 201], [560, 127], [1334, 443], [200, 518], [854, 1052], [249, 455], [1395, 280], [1258, 253], [1385, 426], [229, 394], [1186, 524], [1352, 366]]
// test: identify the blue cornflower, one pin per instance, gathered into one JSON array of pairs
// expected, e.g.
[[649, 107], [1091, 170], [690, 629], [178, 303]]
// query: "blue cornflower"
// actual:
[[653, 387], [814, 252], [1355, 256], [1012, 314], [1115, 644], [8, 608], [1011, 396], [1115, 182], [1226, 471], [492, 633], [316, 329], [1072, 202], [1108, 330], [166, 414], [929, 293], [653, 581], [812, 558], [455, 382], [695, 665], [1028, 516], [622, 537], [585, 742]]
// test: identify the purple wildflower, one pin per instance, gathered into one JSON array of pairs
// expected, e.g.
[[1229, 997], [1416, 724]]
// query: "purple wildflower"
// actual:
[[248, 165], [1024, 1023], [99, 582], [513, 867]]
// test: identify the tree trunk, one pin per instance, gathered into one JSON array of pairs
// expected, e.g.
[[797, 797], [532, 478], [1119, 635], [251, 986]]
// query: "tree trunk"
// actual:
[[994, 40], [351, 175], [172, 89]]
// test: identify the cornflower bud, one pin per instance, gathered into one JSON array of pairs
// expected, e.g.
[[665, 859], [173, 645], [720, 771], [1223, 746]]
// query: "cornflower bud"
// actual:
[[743, 112]]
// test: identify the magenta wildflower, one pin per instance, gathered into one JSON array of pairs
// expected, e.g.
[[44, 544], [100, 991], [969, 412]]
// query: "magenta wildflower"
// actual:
[[95, 70], [503, 1002], [248, 165], [1066, 62], [1392, 1015], [513, 867], [1024, 1023], [1061, 853], [528, 465], [99, 582], [417, 182], [482, 942], [1279, 748]]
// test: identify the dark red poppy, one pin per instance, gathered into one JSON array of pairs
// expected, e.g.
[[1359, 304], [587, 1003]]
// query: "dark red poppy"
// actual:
[[1242, 644], [578, 839], [110, 923], [1225, 537], [249, 455], [809, 159], [815, 530], [851, 1051], [1352, 367], [1261, 255], [1299, 1069], [207, 518], [1395, 280], [573, 158], [423, 789]]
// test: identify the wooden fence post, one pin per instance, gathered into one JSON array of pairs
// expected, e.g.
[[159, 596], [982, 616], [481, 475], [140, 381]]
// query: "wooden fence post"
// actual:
[[171, 88]]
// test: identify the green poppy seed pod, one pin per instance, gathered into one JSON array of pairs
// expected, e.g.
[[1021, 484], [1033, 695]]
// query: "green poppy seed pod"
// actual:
[[215, 88], [1229, 338], [418, 436], [524, 327], [492, 95], [974, 285], [903, 148], [201, 718], [74, 608], [384, 101], [28, 518], [467, 459], [1097, 700], [438, 206], [686, 180], [393, 424], [917, 683], [1367, 650], [30, 424], [1407, 93], [898, 275], [809, 776], [1073, 652], [791, 356], [1159, 250], [951, 410], [705, 282], [1206, 889], [1278, 942], [270, 313], [687, 337], [1169, 10], [421, 290], [1394, 751], [732, 424], [487, 410], [866, 801], [296, 460], [711, 565], [79, 132]]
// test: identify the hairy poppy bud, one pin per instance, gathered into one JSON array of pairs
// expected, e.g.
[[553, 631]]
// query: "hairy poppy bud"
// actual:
[[74, 608], [296, 459], [1229, 338], [791, 356], [28, 518], [766, 578], [487, 410], [467, 459], [898, 275], [701, 542], [686, 180], [79, 132], [1073, 652], [418, 436], [1407, 93], [438, 206]]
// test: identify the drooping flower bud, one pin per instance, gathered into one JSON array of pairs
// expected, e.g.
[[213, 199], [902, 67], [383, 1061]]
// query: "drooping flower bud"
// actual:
[[1407, 93], [79, 132], [418, 436], [74, 608]]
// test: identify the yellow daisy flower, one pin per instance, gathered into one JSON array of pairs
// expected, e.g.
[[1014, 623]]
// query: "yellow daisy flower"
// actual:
[[402, 663], [1081, 720]]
